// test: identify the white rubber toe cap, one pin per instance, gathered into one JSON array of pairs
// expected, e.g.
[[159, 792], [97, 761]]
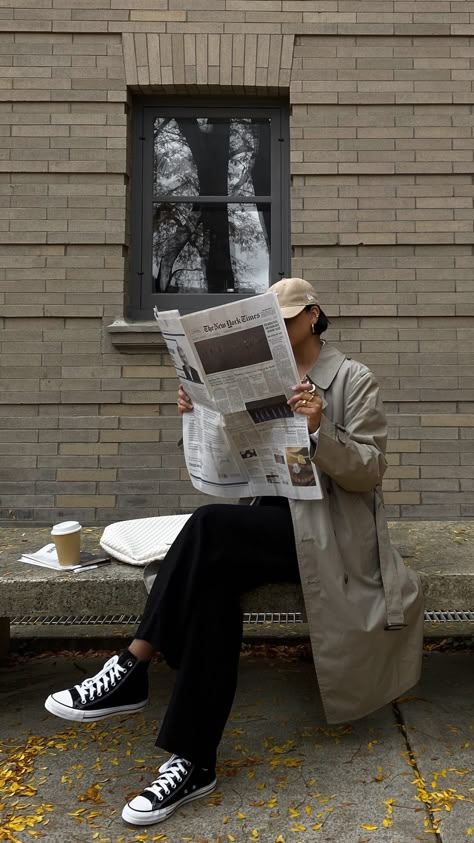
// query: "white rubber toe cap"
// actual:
[[140, 803], [62, 698], [61, 705]]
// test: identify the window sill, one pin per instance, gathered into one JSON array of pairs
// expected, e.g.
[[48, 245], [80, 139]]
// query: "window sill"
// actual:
[[135, 337]]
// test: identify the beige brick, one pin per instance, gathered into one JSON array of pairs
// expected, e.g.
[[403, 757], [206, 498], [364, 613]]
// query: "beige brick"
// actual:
[[150, 371], [130, 436], [138, 4], [156, 15], [177, 49], [238, 50], [399, 471], [86, 474], [267, 6], [403, 446], [88, 448], [215, 5], [250, 59], [129, 410], [402, 497], [201, 59], [73, 501]]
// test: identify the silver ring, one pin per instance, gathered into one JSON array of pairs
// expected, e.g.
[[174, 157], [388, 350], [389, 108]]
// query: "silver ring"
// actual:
[[312, 390]]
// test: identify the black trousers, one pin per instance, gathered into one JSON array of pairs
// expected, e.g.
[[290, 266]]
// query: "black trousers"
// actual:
[[194, 618]]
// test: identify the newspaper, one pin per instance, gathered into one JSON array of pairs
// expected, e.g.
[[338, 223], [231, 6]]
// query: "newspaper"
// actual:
[[236, 363], [47, 557]]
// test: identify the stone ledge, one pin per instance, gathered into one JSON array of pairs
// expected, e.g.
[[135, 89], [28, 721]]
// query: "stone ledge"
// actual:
[[135, 337], [441, 551]]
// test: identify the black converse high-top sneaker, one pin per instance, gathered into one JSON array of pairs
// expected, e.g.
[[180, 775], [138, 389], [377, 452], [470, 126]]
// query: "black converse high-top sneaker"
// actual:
[[179, 781], [120, 687]]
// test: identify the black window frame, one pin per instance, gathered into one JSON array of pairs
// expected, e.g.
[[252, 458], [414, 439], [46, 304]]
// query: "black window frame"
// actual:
[[141, 299]]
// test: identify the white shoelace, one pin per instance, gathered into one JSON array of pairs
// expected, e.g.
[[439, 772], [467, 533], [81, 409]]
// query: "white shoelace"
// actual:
[[106, 678], [177, 769]]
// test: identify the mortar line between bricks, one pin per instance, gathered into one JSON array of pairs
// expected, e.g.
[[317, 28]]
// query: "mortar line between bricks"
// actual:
[[414, 765]]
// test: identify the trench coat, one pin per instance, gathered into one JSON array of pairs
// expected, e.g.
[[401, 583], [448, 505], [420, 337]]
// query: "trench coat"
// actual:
[[364, 606]]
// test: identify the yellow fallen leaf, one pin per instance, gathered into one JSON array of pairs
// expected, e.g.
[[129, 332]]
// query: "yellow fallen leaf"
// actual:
[[254, 835], [367, 827], [469, 831], [92, 794], [231, 838], [293, 812], [317, 826], [280, 839], [240, 815], [308, 809], [298, 827]]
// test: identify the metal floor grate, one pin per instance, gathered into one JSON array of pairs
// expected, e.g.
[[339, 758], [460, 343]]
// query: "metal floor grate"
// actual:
[[449, 617], [133, 620], [249, 618]]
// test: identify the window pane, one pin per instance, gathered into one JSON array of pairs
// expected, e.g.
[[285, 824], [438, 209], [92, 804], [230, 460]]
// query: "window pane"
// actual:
[[211, 248], [212, 156]]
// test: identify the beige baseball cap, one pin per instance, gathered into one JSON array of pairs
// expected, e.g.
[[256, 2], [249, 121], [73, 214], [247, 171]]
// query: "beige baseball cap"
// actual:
[[294, 294]]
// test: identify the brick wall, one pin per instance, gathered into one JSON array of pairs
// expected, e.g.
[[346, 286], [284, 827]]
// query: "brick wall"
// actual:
[[382, 223]]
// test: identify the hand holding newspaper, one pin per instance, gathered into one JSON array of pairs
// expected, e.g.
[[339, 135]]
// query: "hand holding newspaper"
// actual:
[[237, 366]]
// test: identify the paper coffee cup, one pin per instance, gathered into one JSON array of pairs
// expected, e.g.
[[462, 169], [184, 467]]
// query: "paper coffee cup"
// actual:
[[67, 538]]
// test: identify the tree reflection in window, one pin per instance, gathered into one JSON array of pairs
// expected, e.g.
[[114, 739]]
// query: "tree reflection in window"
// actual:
[[212, 205]]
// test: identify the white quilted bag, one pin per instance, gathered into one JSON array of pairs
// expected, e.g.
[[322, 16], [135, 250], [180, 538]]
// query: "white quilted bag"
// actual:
[[142, 540]]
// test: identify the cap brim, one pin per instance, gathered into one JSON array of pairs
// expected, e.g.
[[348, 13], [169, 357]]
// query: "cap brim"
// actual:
[[289, 312]]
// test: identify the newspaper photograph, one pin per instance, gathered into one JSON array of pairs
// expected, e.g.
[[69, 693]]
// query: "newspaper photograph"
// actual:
[[236, 363]]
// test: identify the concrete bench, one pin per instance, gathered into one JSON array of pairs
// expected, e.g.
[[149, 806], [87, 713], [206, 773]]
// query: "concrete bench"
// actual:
[[442, 551]]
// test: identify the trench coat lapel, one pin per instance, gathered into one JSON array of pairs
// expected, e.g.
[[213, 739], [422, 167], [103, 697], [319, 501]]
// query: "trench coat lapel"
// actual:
[[327, 366]]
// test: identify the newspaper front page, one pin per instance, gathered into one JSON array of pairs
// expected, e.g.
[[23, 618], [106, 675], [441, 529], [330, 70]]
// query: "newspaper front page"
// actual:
[[237, 366]]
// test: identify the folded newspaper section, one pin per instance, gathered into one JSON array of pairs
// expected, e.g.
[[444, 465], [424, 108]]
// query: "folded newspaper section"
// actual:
[[47, 557], [236, 364]]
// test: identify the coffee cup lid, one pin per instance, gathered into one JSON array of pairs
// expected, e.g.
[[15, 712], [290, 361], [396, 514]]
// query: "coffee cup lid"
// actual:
[[65, 527]]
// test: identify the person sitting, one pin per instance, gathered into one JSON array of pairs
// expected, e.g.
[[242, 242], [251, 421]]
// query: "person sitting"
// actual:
[[364, 607]]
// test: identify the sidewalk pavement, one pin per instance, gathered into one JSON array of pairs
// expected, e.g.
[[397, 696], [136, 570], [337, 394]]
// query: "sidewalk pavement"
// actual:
[[284, 775]]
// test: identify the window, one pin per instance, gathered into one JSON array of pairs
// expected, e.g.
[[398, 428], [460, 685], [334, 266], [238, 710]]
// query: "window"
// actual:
[[210, 203]]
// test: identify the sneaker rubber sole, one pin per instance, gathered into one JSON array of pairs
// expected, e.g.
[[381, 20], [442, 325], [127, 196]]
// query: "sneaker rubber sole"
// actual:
[[152, 817], [67, 713]]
